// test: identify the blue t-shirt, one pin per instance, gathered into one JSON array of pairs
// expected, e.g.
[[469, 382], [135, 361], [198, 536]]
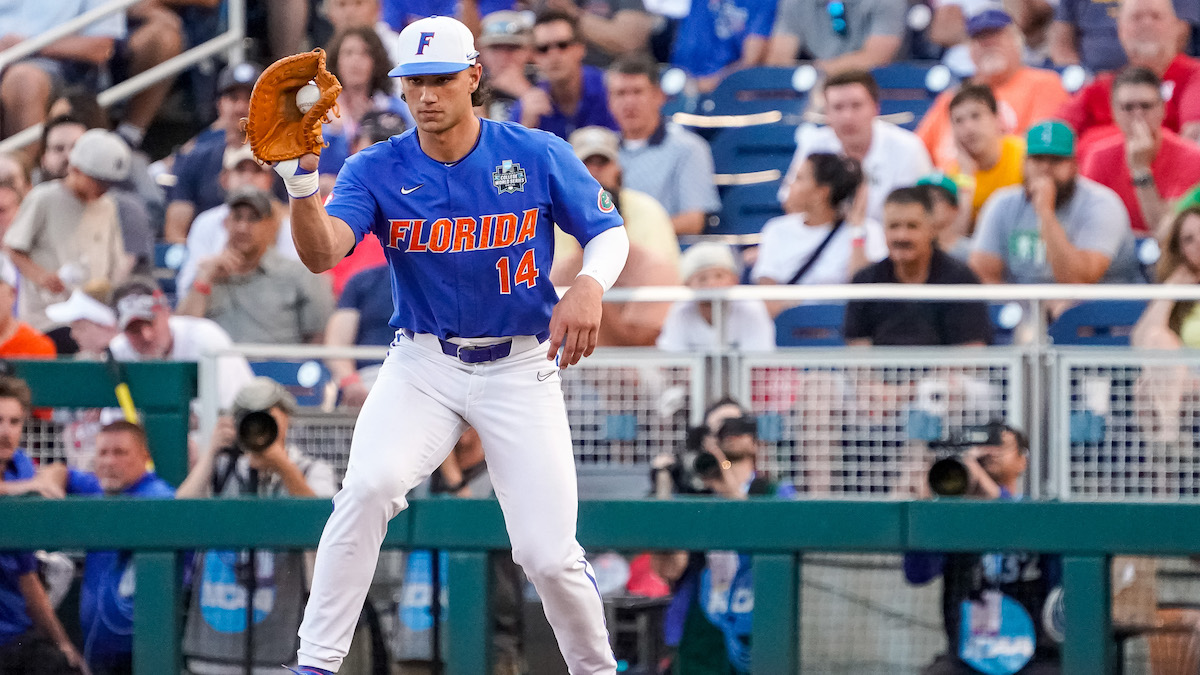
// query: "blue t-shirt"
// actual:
[[14, 619], [710, 37], [374, 309], [106, 596], [592, 110], [470, 244], [400, 13], [196, 173]]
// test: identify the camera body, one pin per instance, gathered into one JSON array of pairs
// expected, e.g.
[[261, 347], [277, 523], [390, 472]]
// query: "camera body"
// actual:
[[948, 477]]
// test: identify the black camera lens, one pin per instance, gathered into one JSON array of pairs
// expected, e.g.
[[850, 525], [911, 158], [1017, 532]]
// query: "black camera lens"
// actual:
[[948, 477], [706, 466], [257, 430]]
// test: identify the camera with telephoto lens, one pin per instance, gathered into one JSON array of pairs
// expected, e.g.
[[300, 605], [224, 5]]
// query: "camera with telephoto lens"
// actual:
[[256, 430], [948, 476]]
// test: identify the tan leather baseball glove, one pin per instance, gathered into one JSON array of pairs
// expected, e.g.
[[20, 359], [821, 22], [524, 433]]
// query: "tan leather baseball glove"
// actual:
[[276, 129]]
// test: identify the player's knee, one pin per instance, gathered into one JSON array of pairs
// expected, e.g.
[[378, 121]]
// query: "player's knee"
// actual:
[[542, 563], [374, 490]]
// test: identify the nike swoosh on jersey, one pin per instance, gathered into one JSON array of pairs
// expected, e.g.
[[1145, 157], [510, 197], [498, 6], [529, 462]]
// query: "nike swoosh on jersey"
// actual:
[[542, 377], [405, 191]]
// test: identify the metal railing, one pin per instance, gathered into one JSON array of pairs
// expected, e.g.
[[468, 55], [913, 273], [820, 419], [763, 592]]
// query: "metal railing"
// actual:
[[230, 43]]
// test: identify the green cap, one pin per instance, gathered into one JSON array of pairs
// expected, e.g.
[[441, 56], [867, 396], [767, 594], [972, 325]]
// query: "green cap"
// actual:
[[1052, 137], [1190, 199], [943, 181]]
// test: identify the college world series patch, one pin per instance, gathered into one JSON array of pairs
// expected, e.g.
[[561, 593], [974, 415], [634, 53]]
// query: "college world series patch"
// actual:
[[509, 177]]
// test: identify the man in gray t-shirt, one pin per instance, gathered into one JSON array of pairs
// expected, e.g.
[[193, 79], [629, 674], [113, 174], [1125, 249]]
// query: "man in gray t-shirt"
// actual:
[[1058, 227], [840, 35]]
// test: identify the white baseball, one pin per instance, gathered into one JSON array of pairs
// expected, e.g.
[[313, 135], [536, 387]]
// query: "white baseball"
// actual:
[[307, 96]]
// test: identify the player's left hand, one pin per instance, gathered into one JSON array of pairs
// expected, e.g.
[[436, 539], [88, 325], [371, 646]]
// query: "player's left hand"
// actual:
[[575, 323]]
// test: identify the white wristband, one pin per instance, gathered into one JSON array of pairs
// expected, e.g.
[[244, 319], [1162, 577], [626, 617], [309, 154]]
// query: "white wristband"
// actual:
[[299, 183]]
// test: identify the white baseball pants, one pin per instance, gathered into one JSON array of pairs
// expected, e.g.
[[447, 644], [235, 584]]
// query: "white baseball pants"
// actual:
[[415, 412]]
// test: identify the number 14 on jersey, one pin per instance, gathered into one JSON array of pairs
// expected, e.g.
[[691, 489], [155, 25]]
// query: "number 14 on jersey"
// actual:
[[526, 273]]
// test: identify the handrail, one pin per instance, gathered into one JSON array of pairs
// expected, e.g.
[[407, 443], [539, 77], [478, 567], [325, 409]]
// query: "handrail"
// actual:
[[931, 292], [32, 45], [231, 41]]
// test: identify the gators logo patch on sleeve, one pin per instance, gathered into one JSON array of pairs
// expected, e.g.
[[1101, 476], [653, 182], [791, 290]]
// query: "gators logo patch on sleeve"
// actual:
[[605, 201]]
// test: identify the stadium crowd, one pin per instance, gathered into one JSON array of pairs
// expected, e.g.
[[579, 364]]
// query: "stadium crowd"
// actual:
[[148, 230]]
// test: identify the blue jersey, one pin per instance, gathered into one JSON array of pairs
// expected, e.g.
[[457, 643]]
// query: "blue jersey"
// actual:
[[470, 244], [106, 596], [14, 619], [710, 37]]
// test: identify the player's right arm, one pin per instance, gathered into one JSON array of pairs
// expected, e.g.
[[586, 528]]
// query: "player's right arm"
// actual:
[[321, 239]]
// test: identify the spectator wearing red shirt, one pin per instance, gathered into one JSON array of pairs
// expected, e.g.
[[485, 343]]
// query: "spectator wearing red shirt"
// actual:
[[1146, 165], [1151, 35]]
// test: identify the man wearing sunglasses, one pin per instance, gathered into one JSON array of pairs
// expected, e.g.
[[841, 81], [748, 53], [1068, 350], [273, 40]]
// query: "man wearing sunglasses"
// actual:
[[838, 35], [569, 95], [1147, 165]]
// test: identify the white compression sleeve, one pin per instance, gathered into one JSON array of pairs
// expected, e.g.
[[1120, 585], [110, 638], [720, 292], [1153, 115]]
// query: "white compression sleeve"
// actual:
[[604, 256]]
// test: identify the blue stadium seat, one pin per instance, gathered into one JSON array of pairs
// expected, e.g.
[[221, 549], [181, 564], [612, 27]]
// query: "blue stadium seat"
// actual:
[[910, 88], [811, 326], [1005, 316], [168, 259], [1097, 322], [746, 208], [757, 148], [306, 380], [756, 90]]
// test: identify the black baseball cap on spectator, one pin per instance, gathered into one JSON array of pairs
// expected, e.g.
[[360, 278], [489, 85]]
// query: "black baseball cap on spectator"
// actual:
[[253, 197], [237, 76], [738, 426], [380, 125]]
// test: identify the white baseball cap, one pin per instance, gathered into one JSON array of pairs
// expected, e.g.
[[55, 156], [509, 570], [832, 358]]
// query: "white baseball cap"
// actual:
[[437, 45], [82, 306], [706, 255], [101, 154]]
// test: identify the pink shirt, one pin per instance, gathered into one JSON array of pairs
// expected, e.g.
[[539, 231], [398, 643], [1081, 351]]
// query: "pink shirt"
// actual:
[[1176, 169]]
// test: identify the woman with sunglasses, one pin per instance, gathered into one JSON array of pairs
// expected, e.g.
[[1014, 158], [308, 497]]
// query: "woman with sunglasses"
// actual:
[[824, 236]]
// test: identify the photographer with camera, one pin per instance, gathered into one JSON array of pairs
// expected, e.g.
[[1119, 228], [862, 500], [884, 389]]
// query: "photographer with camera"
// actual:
[[992, 603], [250, 456], [708, 621]]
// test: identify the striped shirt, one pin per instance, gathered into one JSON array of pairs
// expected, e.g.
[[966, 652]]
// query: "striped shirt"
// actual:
[[675, 166]]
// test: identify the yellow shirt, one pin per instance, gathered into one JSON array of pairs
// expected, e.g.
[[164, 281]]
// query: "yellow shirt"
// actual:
[[1008, 171], [647, 224], [1189, 330]]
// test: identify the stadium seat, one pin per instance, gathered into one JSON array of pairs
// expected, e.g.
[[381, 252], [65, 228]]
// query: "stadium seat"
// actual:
[[811, 326], [746, 208], [910, 88], [306, 380], [759, 148], [1006, 317], [757, 90], [1097, 322], [168, 259]]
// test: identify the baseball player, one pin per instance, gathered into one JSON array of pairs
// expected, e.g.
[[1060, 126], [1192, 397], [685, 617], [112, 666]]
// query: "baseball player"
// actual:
[[465, 210]]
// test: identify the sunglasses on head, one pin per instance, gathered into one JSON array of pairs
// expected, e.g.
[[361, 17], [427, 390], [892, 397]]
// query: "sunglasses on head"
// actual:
[[560, 45], [837, 17]]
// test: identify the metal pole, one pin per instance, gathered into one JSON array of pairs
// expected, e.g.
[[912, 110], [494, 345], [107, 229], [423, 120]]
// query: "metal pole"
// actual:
[[237, 28]]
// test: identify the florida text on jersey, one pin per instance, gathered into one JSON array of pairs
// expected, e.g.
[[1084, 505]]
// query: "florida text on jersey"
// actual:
[[470, 244]]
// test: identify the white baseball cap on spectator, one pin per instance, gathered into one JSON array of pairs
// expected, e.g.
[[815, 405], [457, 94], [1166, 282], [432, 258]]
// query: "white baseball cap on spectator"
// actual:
[[437, 45], [235, 155], [102, 155], [82, 306], [595, 141], [703, 256]]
